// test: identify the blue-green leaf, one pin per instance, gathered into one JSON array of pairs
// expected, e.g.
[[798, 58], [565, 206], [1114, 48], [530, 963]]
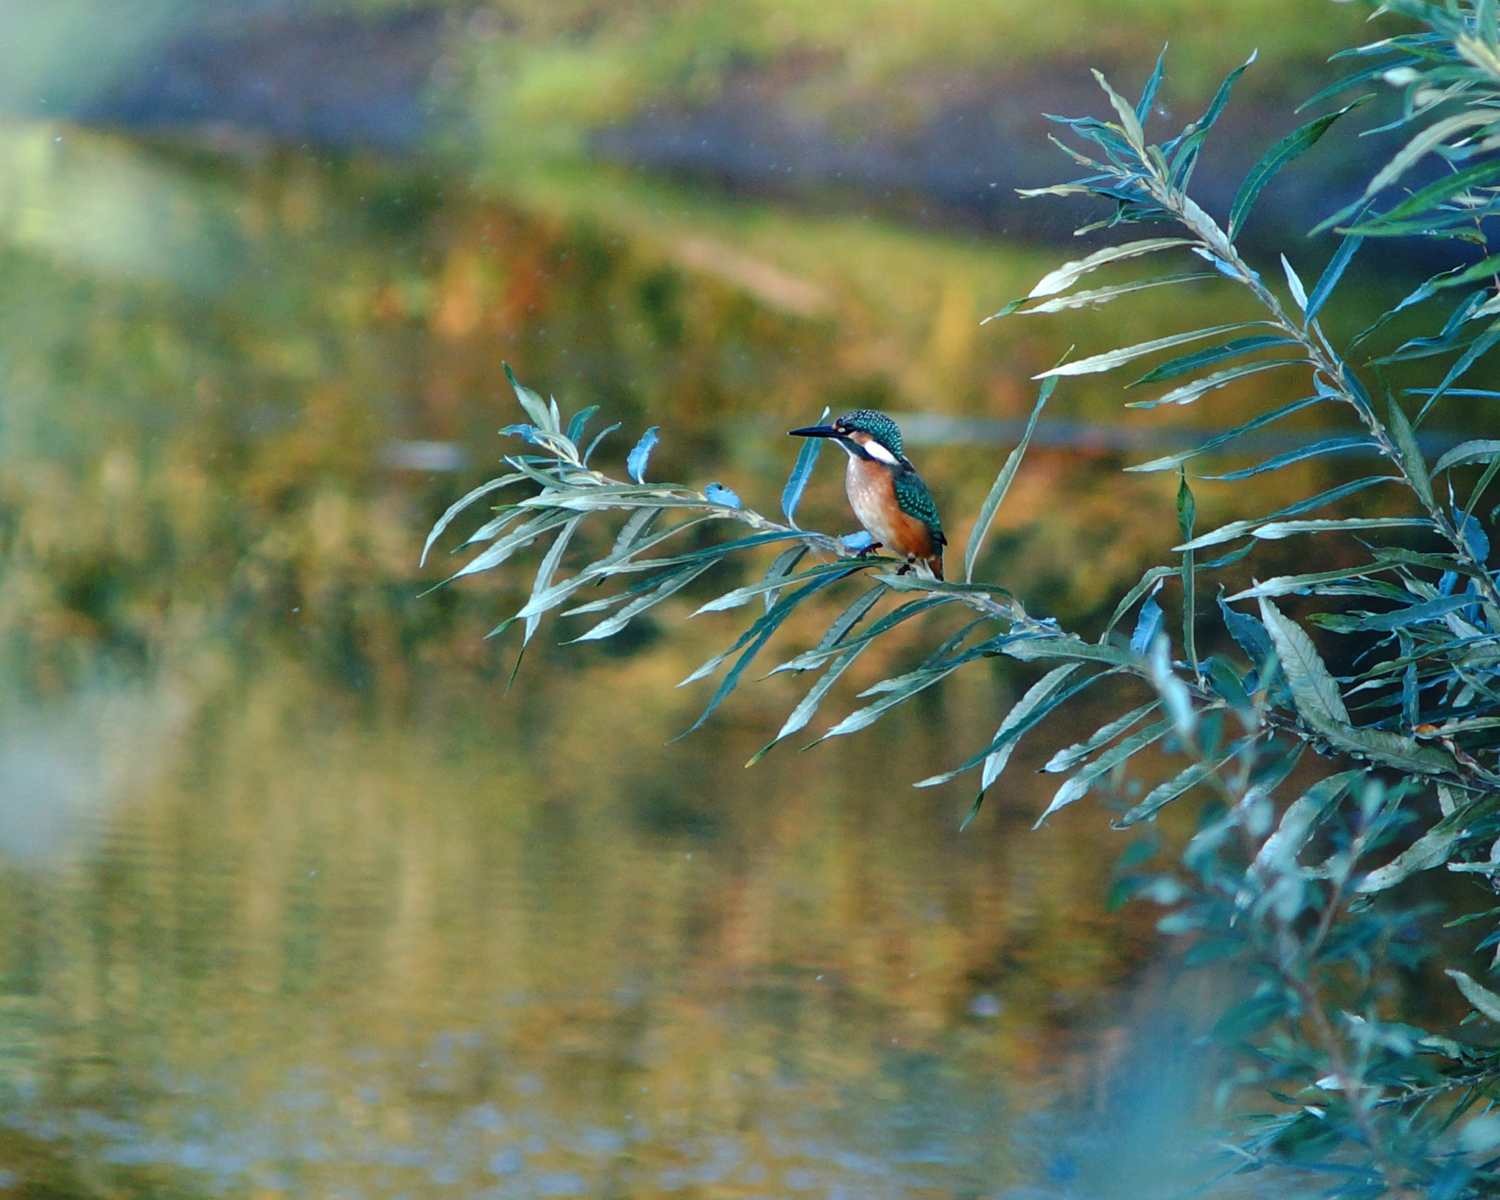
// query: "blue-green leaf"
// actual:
[[1108, 361], [1002, 484], [1294, 144], [635, 462], [1328, 446], [807, 456]]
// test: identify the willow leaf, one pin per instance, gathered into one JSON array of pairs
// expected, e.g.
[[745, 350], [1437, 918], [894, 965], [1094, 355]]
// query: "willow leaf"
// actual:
[[1237, 529], [811, 659], [1018, 730], [544, 574], [1298, 142], [675, 582], [1068, 274], [1432, 849], [1174, 367], [1077, 786], [1152, 578], [1002, 483], [1067, 759], [782, 566], [1483, 1000], [1172, 461], [1301, 585], [1314, 690], [1328, 446], [1300, 821], [808, 705], [1098, 296], [1282, 529], [1189, 392], [744, 595], [1332, 273], [459, 505], [536, 408], [1097, 363], [1411, 453], [753, 639], [1164, 793], [1468, 452], [1426, 141], [497, 552], [1035, 697], [796, 484]]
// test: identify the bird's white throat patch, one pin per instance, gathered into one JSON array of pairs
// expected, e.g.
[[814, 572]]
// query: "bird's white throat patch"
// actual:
[[878, 452]]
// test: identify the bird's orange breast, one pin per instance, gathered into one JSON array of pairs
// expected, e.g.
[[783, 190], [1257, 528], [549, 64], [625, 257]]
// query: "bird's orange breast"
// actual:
[[872, 495]]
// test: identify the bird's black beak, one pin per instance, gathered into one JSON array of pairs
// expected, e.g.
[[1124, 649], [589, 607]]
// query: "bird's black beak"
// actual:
[[814, 431]]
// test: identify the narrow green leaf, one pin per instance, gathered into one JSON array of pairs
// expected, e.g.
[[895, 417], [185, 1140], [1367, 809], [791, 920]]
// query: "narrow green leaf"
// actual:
[[1282, 529], [1296, 143], [1189, 392], [1130, 124], [1300, 821], [1034, 700], [1426, 141], [675, 582], [536, 408], [1332, 273], [1174, 367], [1294, 284], [1314, 690], [1484, 1001], [1429, 610], [1468, 452], [1032, 649], [459, 505], [1301, 585], [782, 566], [636, 526], [1068, 274], [1411, 454], [544, 574], [1148, 93], [1480, 346], [1172, 461], [1118, 358], [808, 705], [1075, 787], [1432, 849], [811, 659], [1018, 730], [1002, 484], [497, 552], [909, 686], [1147, 581], [1067, 759], [1337, 445], [1098, 296], [1187, 515], [1164, 793], [1236, 529], [753, 639], [743, 595], [796, 484], [1421, 202]]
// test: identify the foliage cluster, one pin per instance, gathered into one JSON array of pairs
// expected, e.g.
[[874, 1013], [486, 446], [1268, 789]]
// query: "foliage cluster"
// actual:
[[1389, 731]]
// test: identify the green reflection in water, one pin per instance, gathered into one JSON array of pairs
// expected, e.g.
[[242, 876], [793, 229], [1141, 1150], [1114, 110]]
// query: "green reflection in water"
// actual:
[[298, 900]]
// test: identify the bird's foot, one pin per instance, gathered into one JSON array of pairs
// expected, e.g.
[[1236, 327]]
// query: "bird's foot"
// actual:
[[869, 550], [906, 566]]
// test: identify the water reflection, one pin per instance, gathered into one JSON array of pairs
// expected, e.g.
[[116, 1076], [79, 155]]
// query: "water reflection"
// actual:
[[299, 899]]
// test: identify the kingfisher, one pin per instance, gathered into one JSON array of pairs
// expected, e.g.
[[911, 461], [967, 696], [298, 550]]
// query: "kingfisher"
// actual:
[[885, 491]]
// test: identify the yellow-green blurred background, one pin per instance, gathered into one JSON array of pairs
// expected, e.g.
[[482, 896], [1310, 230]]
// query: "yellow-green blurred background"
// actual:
[[296, 897]]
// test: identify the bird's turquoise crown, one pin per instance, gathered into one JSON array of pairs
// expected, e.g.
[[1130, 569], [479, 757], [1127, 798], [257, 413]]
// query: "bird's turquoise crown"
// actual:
[[876, 424]]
